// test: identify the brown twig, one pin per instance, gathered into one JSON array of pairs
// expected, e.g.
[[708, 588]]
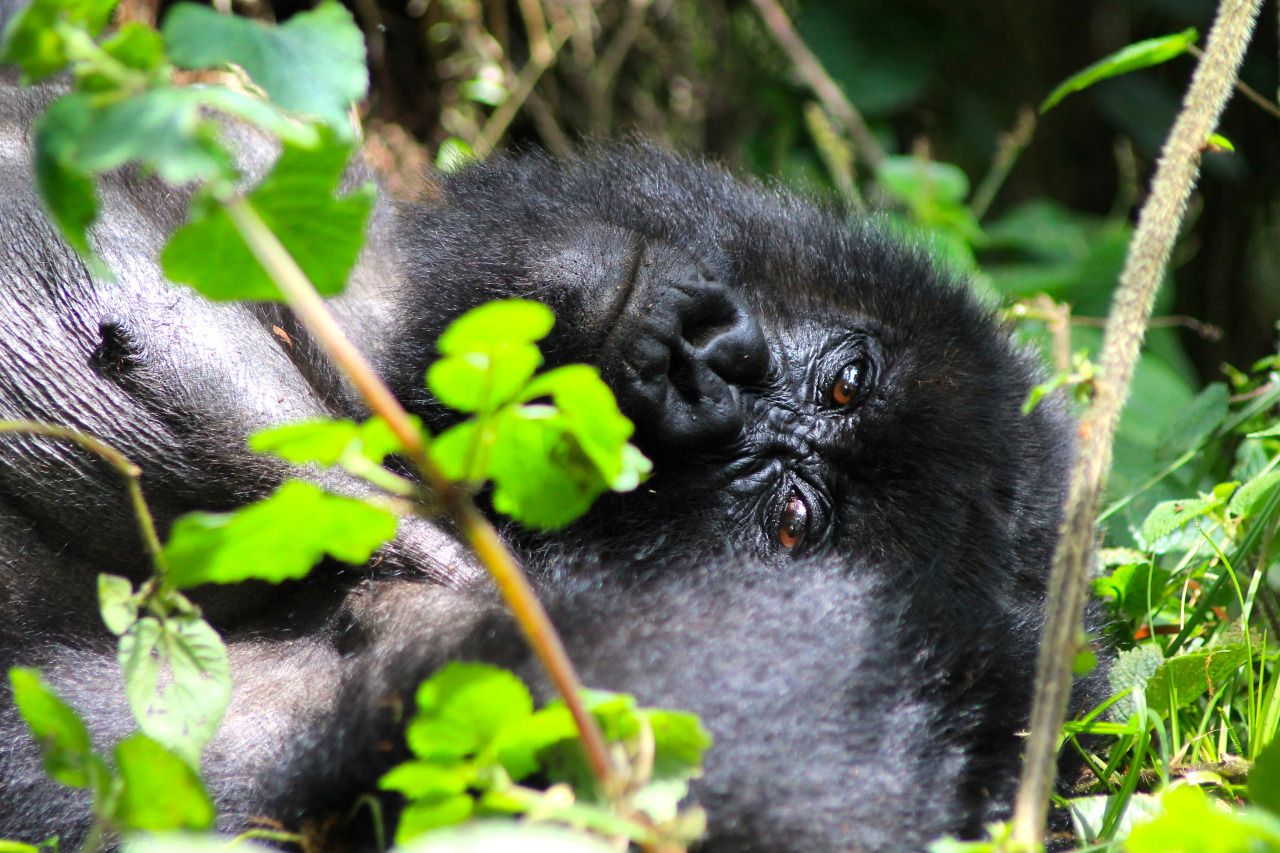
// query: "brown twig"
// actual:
[[1009, 147], [500, 120], [1148, 256], [1245, 89], [810, 69], [483, 539]]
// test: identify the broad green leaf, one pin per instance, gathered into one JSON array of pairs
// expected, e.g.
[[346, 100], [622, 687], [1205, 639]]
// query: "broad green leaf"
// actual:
[[483, 381], [1264, 778], [1252, 494], [1193, 822], [321, 441], [32, 41], [519, 744], [259, 113], [1132, 670], [182, 711], [278, 538], [1169, 516], [1135, 587], [1195, 423], [911, 179], [1182, 680], [118, 606], [454, 154], [495, 325], [462, 708], [326, 441], [159, 790], [494, 835], [322, 233], [63, 738], [425, 815], [462, 452], [134, 46], [426, 780], [67, 191], [1141, 54], [541, 475], [678, 737], [161, 129], [1088, 814], [313, 63], [17, 847], [591, 414]]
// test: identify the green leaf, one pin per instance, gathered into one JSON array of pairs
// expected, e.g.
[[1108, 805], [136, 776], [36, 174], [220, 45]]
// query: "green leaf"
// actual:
[[426, 780], [313, 64], [1132, 670], [1194, 423], [63, 738], [183, 710], [462, 708], [322, 233], [1193, 821], [1183, 679], [541, 476], [1264, 778], [322, 441], [496, 325], [913, 178], [424, 815], [494, 835], [135, 46], [159, 790], [116, 601], [17, 847], [590, 413], [188, 842], [33, 42], [326, 441], [520, 743], [454, 154], [1141, 54], [278, 538], [67, 191], [1169, 516], [1134, 587], [1219, 144], [679, 737], [162, 129], [462, 452], [483, 381], [1252, 494]]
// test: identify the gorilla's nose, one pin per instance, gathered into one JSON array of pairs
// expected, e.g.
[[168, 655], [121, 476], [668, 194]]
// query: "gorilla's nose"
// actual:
[[683, 347]]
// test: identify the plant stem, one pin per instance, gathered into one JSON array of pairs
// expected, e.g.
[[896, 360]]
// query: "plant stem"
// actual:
[[810, 69], [131, 473], [1145, 263], [483, 539]]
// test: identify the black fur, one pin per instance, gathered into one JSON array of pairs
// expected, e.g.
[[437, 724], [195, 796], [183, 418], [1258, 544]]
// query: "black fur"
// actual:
[[865, 686]]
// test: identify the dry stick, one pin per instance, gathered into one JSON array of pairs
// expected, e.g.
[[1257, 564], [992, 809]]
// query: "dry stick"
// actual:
[[483, 539], [529, 76], [816, 78], [1244, 88], [1144, 266], [131, 473]]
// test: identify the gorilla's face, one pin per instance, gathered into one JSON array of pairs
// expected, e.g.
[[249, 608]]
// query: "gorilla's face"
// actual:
[[801, 381]]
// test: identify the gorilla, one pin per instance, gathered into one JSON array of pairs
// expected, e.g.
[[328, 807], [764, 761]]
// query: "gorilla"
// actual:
[[839, 562]]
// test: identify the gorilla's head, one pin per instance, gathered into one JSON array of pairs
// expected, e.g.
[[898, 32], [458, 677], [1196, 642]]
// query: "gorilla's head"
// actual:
[[801, 381]]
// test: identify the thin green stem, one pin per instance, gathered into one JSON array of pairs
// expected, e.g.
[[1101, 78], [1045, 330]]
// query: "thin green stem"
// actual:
[[130, 472], [510, 578]]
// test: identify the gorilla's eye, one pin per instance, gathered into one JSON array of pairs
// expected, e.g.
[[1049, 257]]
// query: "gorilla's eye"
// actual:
[[853, 383], [794, 523]]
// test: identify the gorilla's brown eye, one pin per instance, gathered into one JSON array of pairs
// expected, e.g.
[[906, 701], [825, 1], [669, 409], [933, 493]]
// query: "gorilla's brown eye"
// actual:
[[852, 384], [794, 522]]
